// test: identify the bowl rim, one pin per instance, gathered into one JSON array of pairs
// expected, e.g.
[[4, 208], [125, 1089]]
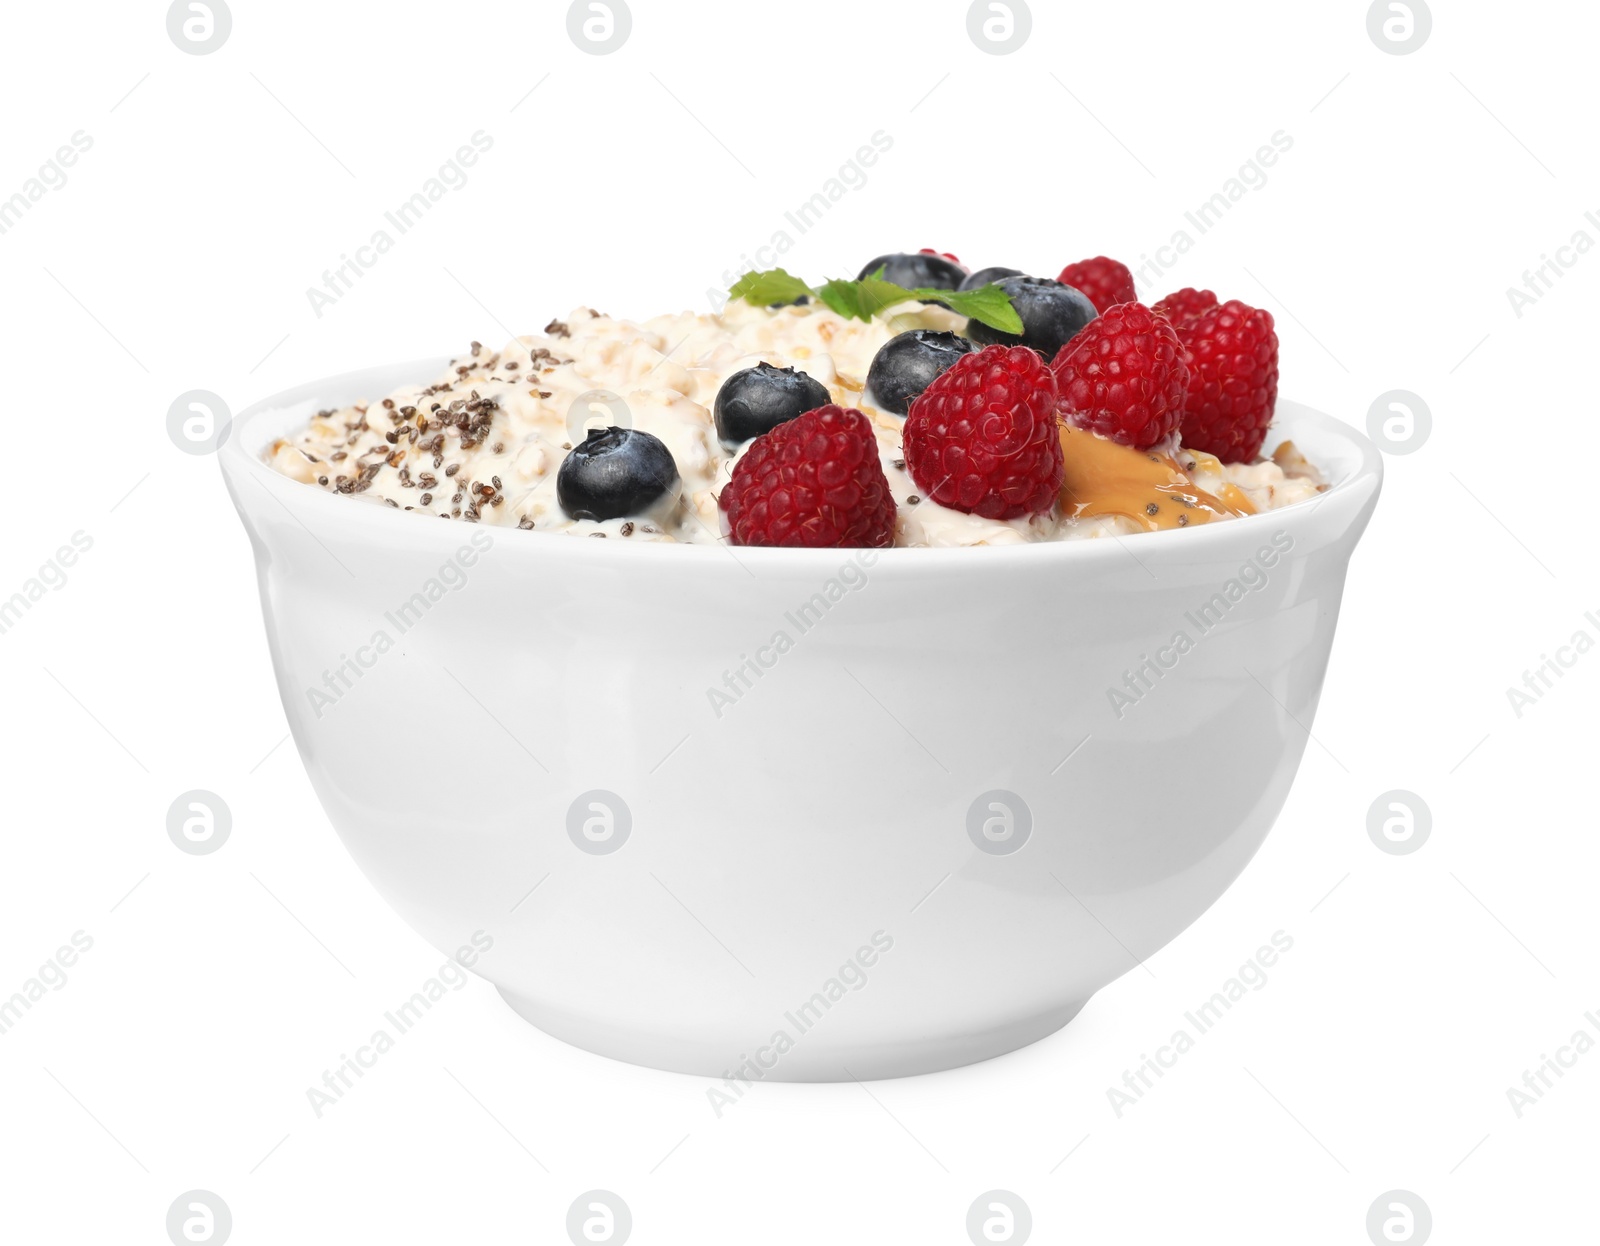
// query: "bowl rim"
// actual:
[[241, 458]]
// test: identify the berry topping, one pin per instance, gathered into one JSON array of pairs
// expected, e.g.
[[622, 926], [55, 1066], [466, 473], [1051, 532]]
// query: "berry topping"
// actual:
[[756, 400], [1106, 281], [814, 481], [1051, 313], [908, 362], [617, 472], [1124, 376], [943, 255], [1232, 353], [982, 438], [916, 270], [1183, 308], [988, 276]]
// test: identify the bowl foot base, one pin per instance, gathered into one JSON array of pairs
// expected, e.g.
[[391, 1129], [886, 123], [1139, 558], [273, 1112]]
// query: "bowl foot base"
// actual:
[[812, 1057]]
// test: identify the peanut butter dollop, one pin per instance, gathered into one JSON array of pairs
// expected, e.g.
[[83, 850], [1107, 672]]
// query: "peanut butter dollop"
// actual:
[[1104, 477]]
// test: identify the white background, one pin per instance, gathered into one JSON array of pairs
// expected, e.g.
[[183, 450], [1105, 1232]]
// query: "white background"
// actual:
[[177, 256]]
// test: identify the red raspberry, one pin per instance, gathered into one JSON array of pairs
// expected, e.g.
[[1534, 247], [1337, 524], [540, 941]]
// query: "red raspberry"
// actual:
[[944, 255], [1232, 353], [814, 481], [1184, 307], [1123, 376], [1105, 282], [982, 438]]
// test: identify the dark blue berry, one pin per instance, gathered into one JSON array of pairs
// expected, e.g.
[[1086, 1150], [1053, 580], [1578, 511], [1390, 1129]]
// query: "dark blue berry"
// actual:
[[907, 363], [988, 276], [1051, 315], [616, 472], [915, 270], [756, 400]]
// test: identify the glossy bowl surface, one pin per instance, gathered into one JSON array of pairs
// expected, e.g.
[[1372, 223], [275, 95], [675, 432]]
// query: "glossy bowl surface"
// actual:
[[795, 814]]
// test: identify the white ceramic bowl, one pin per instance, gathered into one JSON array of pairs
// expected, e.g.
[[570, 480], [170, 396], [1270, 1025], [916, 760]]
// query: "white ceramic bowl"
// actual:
[[924, 834]]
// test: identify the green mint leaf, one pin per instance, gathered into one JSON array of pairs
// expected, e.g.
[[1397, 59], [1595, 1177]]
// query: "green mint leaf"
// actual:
[[841, 296], [765, 289], [871, 295], [878, 294], [864, 299], [989, 305]]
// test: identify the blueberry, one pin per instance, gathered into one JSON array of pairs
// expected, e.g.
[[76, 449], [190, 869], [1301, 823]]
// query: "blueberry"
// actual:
[[987, 276], [916, 270], [907, 363], [756, 400], [1051, 314], [617, 472]]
